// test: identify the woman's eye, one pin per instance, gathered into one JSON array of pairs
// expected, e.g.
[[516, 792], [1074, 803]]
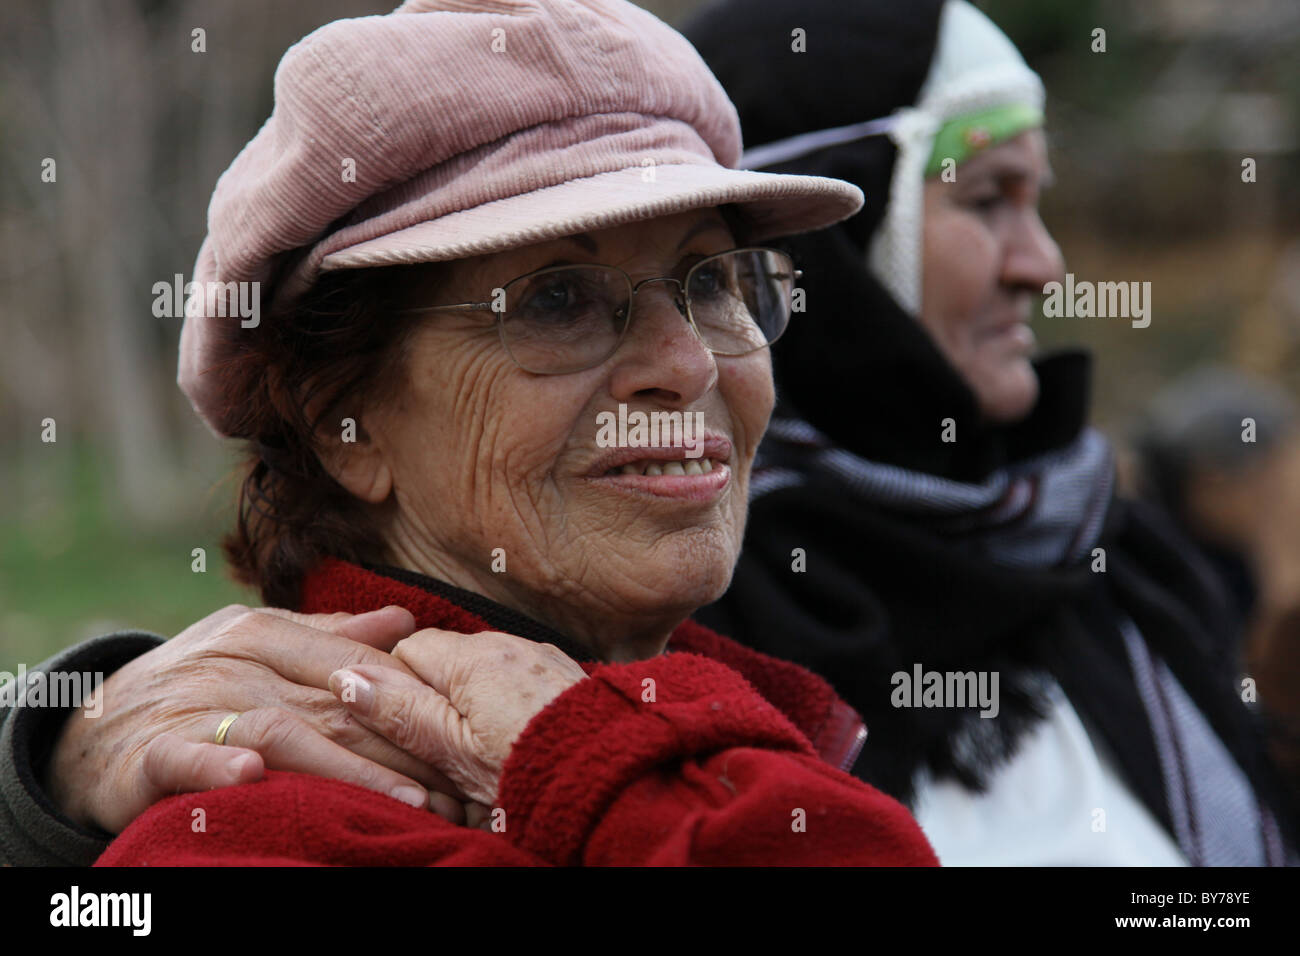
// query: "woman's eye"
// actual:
[[708, 281], [555, 297], [986, 202]]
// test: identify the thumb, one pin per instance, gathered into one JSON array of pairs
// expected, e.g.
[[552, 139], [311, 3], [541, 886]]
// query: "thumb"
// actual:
[[171, 764], [381, 629]]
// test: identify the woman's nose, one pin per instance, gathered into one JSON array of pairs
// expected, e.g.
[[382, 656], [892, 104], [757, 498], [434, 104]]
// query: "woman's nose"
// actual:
[[661, 354], [1033, 258]]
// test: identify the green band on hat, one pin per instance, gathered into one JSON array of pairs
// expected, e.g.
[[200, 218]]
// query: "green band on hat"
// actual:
[[961, 138]]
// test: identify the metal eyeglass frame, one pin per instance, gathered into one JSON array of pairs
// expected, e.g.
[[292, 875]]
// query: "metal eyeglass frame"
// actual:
[[680, 300]]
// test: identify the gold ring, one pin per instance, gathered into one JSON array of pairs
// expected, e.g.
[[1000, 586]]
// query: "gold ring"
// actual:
[[225, 726]]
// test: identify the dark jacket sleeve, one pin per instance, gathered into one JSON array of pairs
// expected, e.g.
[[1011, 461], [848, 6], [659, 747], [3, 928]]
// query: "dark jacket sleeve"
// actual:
[[32, 830]]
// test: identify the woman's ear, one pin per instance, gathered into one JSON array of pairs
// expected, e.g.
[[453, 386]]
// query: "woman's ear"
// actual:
[[355, 460]]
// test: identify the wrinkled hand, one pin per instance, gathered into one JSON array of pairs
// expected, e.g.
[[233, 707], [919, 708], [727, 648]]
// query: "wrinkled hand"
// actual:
[[474, 695], [161, 711]]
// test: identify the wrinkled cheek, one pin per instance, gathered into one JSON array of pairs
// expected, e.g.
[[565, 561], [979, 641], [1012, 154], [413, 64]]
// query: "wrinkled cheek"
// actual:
[[739, 515], [750, 396], [521, 481]]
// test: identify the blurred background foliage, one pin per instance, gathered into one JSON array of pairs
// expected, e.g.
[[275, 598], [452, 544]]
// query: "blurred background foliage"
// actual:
[[97, 530]]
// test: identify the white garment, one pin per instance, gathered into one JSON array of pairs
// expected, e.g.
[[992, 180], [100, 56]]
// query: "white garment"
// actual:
[[1040, 808]]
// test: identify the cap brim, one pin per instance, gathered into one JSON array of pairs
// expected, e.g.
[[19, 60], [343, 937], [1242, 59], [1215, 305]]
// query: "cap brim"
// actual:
[[771, 205]]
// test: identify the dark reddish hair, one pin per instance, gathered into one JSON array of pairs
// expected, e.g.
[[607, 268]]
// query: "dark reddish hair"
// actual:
[[341, 346]]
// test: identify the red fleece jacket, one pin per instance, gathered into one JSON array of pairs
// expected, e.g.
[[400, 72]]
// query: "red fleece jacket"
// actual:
[[727, 766]]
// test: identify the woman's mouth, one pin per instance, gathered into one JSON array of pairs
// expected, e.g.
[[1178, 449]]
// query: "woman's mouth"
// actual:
[[1013, 330], [667, 472], [688, 466], [701, 480]]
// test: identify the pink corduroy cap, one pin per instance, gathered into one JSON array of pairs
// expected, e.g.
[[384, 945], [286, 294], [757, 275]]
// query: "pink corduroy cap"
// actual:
[[469, 128]]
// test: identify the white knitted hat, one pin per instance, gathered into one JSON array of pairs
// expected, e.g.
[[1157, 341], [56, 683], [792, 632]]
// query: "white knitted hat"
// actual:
[[974, 68]]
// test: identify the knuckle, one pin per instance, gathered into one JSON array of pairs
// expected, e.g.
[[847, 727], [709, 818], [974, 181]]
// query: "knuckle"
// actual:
[[320, 622], [240, 627], [154, 756], [333, 721], [407, 725], [429, 636], [322, 616], [270, 728], [196, 762], [369, 775], [207, 628], [553, 655], [245, 619], [559, 664], [355, 654], [502, 640], [414, 650]]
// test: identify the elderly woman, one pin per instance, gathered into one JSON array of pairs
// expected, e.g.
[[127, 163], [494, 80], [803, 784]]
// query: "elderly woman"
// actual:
[[955, 514], [481, 229]]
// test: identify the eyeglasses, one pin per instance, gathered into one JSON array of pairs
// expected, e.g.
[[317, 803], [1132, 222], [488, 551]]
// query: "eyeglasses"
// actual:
[[570, 318]]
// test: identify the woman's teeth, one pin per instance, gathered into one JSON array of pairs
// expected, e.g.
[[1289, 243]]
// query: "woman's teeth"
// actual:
[[688, 467]]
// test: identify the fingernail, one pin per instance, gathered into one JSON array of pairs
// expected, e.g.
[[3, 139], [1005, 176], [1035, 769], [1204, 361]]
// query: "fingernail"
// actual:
[[236, 766], [351, 688], [412, 796]]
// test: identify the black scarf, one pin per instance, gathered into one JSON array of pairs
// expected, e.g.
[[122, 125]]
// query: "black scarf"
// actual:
[[903, 569]]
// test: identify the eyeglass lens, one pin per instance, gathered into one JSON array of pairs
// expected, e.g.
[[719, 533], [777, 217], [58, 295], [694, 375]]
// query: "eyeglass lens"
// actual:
[[570, 318]]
